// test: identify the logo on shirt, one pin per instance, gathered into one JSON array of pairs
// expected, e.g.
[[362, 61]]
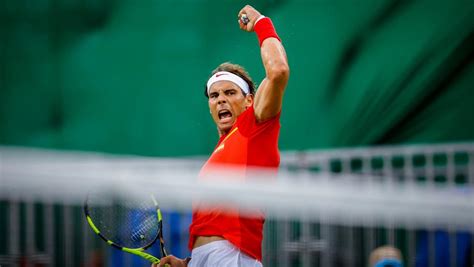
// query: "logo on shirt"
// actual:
[[221, 146]]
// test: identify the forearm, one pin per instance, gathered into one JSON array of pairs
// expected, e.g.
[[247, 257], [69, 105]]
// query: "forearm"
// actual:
[[275, 61], [272, 51], [268, 100]]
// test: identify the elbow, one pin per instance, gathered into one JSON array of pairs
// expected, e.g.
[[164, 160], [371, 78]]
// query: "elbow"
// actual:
[[279, 73]]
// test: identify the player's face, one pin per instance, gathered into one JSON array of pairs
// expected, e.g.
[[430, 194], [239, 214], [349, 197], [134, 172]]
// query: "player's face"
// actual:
[[226, 103]]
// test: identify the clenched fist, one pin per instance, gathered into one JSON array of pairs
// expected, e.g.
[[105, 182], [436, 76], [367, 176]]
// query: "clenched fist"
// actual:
[[251, 14]]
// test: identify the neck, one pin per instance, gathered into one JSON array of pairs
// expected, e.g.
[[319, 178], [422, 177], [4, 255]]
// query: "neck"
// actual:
[[222, 132]]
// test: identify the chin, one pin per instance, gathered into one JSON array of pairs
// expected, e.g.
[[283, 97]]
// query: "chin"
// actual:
[[226, 127]]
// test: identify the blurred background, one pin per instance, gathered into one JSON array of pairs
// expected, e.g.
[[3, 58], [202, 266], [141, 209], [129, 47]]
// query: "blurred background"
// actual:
[[127, 77]]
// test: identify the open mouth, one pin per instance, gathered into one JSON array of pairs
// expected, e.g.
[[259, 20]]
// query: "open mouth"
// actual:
[[224, 115]]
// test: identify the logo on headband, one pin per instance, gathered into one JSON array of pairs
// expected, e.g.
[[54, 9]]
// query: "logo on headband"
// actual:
[[231, 77]]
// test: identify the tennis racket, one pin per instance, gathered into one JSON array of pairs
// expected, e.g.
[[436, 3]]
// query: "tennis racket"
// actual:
[[130, 226]]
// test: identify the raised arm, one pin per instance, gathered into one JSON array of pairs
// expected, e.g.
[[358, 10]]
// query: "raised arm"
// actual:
[[269, 97]]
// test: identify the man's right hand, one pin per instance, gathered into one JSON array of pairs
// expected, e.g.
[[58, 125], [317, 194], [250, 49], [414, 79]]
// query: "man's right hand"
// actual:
[[171, 261]]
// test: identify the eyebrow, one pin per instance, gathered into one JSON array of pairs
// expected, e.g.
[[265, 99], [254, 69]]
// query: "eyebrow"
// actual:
[[224, 90]]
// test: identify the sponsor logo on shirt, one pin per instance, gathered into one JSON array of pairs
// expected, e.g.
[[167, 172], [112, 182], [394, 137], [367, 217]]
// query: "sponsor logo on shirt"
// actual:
[[221, 146]]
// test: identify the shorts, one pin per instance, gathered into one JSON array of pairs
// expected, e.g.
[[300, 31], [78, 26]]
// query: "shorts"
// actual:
[[221, 254]]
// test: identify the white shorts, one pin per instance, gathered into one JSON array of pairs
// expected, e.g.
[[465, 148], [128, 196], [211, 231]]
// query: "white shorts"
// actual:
[[221, 254]]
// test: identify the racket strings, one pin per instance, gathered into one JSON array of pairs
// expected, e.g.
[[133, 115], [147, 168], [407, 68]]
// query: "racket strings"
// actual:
[[144, 229], [130, 224]]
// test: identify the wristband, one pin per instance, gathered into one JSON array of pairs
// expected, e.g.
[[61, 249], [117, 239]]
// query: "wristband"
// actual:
[[264, 29], [259, 18]]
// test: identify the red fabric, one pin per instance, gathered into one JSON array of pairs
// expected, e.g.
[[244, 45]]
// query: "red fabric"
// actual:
[[265, 29], [247, 144]]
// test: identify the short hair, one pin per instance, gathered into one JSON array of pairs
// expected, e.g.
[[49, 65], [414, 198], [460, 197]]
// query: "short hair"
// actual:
[[235, 69]]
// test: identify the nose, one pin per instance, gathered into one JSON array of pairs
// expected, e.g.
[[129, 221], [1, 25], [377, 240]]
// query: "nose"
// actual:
[[221, 99]]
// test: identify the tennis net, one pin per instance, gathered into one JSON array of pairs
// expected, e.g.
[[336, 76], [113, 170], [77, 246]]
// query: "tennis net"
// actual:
[[324, 208]]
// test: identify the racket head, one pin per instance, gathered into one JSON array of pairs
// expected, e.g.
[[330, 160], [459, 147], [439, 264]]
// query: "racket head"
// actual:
[[125, 223]]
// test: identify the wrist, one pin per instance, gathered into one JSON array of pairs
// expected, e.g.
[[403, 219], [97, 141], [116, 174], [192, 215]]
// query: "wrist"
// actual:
[[258, 19], [264, 29]]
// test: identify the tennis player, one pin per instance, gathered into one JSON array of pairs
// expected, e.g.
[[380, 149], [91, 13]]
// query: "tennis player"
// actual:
[[248, 125]]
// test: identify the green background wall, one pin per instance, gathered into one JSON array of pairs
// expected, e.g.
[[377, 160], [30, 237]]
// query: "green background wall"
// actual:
[[128, 76]]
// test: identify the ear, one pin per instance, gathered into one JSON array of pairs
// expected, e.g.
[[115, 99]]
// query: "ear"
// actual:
[[248, 100]]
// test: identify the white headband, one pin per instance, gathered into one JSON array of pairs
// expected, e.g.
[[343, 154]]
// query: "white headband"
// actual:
[[228, 76]]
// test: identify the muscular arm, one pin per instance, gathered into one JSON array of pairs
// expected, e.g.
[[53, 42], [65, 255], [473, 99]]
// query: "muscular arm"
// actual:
[[269, 96]]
